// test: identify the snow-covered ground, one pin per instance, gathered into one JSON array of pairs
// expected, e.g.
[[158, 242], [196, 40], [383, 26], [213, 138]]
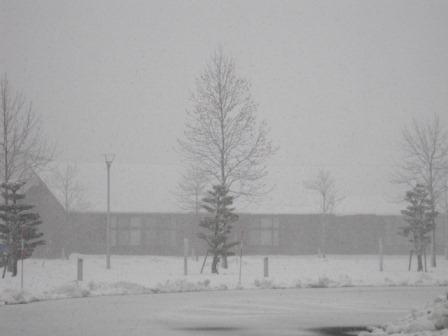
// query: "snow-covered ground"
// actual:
[[54, 279], [430, 320]]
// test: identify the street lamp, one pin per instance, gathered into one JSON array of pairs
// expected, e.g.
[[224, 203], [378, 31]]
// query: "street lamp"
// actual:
[[109, 158]]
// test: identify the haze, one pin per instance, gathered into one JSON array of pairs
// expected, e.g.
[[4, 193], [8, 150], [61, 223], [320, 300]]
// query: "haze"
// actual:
[[335, 81]]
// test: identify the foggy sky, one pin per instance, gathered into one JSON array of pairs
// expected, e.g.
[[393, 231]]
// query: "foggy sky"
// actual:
[[335, 80]]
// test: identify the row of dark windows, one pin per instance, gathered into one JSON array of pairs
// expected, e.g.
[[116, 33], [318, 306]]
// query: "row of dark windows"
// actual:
[[141, 231]]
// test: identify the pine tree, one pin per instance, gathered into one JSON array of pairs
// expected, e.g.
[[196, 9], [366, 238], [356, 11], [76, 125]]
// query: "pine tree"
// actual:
[[420, 217], [18, 226], [218, 224]]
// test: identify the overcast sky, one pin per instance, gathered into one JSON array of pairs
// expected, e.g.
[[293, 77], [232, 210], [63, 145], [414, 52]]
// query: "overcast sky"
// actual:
[[335, 80]]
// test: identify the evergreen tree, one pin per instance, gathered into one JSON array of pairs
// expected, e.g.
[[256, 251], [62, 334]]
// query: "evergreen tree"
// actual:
[[420, 216], [18, 226], [218, 224]]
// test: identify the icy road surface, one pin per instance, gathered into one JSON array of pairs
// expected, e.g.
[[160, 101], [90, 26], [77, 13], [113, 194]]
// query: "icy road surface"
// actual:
[[249, 312]]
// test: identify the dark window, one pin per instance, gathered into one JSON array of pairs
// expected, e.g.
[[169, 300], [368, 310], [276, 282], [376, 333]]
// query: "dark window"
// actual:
[[264, 232], [135, 230], [126, 231], [160, 231]]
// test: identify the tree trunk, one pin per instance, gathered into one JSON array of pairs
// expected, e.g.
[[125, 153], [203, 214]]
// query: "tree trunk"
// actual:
[[12, 265], [5, 265], [419, 263], [215, 264], [433, 246]]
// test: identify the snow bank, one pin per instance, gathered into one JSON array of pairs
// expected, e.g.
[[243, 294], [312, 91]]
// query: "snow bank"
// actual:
[[432, 320], [56, 279]]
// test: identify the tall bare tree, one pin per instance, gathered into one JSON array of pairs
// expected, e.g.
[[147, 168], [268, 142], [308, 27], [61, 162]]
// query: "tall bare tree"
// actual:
[[425, 161], [223, 138], [325, 185], [22, 147]]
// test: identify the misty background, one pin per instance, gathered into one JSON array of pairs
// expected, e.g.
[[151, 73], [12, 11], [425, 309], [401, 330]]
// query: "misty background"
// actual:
[[335, 81]]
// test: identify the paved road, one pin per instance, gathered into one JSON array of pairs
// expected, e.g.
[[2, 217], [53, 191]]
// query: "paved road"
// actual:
[[246, 313]]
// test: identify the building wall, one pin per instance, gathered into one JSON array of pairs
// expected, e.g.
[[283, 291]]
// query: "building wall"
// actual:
[[163, 234]]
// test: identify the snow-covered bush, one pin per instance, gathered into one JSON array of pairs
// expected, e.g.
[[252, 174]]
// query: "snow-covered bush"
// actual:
[[427, 321]]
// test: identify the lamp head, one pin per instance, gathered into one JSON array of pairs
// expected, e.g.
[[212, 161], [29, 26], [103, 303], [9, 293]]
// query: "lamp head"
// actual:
[[109, 158]]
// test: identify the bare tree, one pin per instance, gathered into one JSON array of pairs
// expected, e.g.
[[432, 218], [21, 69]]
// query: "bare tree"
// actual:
[[65, 182], [325, 185], [191, 189], [425, 161], [22, 146], [222, 138]]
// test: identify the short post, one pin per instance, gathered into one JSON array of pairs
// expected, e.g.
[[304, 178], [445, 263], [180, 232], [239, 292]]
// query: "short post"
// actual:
[[431, 248], [410, 259], [266, 267], [79, 278], [380, 252], [186, 248], [424, 254]]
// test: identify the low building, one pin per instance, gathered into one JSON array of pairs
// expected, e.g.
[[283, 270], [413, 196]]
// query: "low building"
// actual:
[[162, 232]]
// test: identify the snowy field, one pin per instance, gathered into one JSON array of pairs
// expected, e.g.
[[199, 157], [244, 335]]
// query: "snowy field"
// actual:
[[56, 279]]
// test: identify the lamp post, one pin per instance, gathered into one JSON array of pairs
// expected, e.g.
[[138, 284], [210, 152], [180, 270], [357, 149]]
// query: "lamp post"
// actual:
[[109, 158], [445, 191]]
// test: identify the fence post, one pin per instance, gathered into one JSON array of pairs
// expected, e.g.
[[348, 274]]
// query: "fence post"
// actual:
[[380, 251], [186, 248], [266, 267], [79, 278]]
